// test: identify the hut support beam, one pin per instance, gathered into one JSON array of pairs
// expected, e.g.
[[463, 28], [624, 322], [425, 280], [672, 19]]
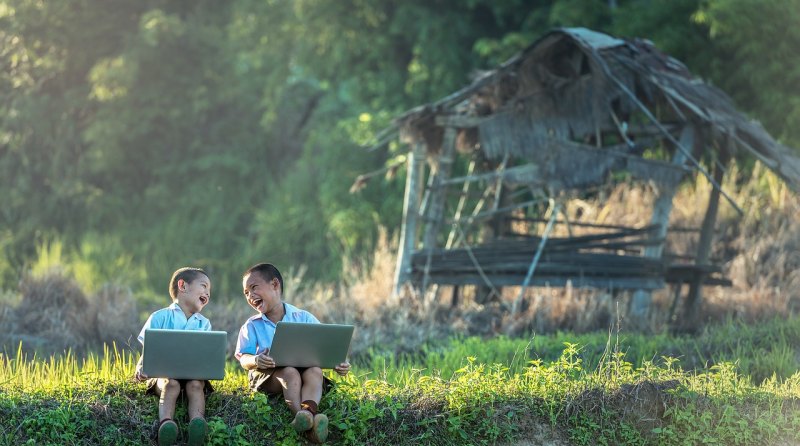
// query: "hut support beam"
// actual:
[[695, 296], [411, 203], [641, 299], [438, 195]]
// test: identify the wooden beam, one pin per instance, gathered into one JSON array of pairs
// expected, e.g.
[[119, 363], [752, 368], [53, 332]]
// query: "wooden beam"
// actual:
[[704, 243], [408, 229], [552, 281], [641, 299], [438, 193], [459, 121]]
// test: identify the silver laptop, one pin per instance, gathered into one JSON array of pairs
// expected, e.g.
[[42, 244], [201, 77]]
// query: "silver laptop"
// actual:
[[310, 345], [184, 354]]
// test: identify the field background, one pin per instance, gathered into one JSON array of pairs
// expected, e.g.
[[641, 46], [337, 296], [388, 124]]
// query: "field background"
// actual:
[[139, 137]]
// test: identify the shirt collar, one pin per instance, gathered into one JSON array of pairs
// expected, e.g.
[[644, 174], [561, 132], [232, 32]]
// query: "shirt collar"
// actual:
[[285, 312], [175, 307]]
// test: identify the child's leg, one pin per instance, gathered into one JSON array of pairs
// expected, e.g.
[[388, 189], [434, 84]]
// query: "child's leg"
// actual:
[[195, 394], [312, 385], [287, 380], [169, 390]]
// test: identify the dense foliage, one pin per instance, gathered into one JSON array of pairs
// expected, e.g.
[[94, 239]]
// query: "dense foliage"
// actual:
[[145, 135]]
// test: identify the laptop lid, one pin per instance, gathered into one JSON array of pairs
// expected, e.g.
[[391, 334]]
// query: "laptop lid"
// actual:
[[299, 344], [184, 354]]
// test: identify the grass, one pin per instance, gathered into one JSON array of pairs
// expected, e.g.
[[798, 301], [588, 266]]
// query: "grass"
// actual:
[[421, 376], [598, 389]]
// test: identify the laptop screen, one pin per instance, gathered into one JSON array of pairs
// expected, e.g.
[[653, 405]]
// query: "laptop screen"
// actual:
[[184, 354], [299, 344]]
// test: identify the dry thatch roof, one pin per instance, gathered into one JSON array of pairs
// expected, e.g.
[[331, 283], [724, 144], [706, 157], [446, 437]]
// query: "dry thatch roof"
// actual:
[[575, 91]]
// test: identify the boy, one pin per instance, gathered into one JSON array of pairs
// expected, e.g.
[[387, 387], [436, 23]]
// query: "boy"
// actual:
[[301, 387], [190, 289]]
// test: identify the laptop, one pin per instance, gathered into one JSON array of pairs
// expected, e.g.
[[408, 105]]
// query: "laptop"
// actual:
[[297, 344], [184, 354]]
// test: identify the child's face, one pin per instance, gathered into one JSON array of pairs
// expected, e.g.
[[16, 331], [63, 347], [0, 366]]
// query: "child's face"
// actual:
[[194, 295], [262, 295]]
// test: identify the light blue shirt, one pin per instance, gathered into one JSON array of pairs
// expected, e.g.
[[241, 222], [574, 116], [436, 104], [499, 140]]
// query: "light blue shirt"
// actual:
[[172, 318], [255, 336]]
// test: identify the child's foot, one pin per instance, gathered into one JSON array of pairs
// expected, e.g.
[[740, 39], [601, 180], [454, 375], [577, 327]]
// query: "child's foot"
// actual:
[[303, 421], [167, 432], [319, 431], [197, 431]]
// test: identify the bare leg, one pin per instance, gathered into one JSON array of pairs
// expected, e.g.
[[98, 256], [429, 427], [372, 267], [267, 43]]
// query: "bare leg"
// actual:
[[312, 384], [197, 399], [287, 381], [170, 389]]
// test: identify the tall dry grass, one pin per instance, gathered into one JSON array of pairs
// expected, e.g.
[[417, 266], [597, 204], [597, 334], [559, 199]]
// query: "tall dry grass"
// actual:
[[53, 314], [758, 251]]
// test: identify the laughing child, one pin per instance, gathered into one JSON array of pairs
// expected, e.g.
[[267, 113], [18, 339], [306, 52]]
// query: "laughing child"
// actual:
[[301, 387], [190, 289]]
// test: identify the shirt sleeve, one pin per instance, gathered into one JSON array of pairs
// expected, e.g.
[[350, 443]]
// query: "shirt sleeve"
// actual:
[[246, 342], [311, 319], [147, 324]]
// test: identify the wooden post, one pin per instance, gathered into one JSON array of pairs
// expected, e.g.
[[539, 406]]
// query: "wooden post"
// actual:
[[690, 316], [641, 299], [437, 197], [408, 230]]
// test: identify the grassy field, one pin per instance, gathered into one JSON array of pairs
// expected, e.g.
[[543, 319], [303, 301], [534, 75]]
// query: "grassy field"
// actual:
[[733, 385]]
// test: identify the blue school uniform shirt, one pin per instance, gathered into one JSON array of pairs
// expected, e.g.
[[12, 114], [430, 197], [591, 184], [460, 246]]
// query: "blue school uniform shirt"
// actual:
[[172, 318], [255, 336]]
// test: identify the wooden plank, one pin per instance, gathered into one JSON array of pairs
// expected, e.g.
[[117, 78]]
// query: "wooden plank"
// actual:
[[540, 281], [408, 229], [459, 121]]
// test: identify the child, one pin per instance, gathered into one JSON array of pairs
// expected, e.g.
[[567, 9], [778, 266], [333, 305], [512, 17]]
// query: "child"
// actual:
[[190, 289], [301, 387]]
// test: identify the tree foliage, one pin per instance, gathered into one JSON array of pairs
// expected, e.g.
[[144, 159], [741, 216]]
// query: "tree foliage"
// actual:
[[224, 133]]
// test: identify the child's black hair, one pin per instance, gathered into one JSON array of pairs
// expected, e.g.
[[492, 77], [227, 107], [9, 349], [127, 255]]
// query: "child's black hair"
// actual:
[[267, 272], [187, 274]]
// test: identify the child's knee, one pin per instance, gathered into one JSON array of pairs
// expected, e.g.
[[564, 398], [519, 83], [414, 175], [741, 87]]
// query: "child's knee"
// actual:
[[172, 386], [290, 374], [312, 372], [195, 386]]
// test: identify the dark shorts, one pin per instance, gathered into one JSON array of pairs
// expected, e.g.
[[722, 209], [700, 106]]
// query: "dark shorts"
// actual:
[[258, 379], [152, 387]]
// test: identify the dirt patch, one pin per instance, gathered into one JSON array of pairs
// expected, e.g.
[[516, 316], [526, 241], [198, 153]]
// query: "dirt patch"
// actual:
[[535, 431]]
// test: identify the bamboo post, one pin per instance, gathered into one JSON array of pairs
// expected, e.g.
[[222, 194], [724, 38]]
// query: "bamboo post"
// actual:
[[704, 245], [411, 203], [641, 299], [437, 198]]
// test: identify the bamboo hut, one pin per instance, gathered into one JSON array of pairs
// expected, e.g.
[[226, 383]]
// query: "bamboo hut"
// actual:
[[571, 111]]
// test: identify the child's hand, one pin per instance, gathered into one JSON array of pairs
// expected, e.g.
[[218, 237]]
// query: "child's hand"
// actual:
[[343, 368], [139, 375], [264, 362]]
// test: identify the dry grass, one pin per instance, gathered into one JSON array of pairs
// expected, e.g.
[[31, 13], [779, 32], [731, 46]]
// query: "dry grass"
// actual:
[[53, 314], [758, 251]]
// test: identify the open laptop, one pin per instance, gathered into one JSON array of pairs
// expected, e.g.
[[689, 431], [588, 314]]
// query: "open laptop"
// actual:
[[299, 344], [184, 354]]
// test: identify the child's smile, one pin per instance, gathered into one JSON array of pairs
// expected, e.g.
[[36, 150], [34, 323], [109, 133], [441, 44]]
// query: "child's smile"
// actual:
[[195, 295]]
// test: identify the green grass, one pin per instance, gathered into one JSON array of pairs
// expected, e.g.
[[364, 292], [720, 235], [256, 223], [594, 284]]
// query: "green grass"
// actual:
[[594, 389]]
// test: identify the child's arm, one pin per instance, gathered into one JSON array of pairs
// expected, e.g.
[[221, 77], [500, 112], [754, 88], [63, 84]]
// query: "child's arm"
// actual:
[[139, 375], [262, 361]]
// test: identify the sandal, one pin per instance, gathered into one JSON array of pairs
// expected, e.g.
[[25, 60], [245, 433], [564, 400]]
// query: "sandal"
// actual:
[[197, 431], [319, 431], [167, 432], [303, 421]]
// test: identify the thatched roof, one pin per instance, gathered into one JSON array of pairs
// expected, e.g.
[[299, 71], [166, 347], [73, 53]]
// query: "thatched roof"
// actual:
[[575, 91]]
